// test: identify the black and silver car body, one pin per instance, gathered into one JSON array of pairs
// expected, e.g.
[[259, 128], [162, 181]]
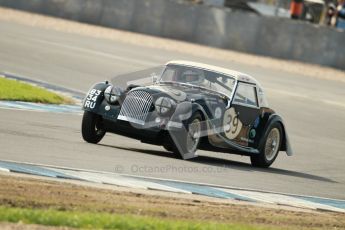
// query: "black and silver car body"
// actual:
[[190, 106]]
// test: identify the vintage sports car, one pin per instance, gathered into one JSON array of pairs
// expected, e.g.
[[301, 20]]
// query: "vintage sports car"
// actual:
[[189, 106]]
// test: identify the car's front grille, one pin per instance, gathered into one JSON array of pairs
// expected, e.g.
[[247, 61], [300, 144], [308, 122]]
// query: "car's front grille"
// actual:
[[136, 106]]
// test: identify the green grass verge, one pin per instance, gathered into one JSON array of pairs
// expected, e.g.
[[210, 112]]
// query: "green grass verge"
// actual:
[[89, 220], [13, 90]]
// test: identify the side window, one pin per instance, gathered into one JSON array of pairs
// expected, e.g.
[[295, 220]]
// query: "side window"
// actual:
[[246, 94]]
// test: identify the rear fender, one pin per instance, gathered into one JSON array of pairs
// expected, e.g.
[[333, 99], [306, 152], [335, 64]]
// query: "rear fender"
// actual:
[[285, 146]]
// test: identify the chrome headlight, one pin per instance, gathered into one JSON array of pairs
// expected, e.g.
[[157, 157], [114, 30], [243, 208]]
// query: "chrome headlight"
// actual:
[[112, 94], [164, 105]]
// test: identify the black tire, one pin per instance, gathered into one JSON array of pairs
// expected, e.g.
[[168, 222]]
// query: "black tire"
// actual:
[[92, 127], [268, 155], [168, 143], [178, 141]]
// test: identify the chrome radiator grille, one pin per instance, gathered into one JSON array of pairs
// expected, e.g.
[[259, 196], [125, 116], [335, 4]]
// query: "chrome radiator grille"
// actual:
[[135, 107]]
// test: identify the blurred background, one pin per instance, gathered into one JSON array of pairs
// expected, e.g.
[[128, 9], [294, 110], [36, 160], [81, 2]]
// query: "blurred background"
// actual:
[[303, 30], [328, 12]]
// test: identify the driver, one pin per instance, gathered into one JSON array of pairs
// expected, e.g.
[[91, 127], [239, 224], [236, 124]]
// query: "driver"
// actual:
[[195, 77]]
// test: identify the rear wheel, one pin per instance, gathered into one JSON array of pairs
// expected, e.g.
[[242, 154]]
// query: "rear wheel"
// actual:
[[270, 150], [92, 127]]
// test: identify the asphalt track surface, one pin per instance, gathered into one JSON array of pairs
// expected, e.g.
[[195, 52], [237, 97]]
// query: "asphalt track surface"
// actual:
[[314, 111]]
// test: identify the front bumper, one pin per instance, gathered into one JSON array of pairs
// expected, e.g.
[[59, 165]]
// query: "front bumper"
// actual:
[[151, 130]]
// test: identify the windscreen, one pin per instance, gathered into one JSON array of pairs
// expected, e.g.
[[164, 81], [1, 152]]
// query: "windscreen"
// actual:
[[198, 77], [140, 78]]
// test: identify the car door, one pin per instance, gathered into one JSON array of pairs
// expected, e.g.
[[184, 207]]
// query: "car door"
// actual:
[[242, 114]]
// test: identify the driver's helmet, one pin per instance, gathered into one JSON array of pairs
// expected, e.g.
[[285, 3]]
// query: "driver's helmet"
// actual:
[[193, 76]]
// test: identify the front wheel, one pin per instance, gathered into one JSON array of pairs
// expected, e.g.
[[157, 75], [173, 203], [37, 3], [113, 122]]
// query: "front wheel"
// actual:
[[92, 127], [184, 143], [269, 151]]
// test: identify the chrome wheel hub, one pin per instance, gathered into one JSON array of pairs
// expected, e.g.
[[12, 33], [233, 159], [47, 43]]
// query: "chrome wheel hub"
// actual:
[[272, 144], [193, 137]]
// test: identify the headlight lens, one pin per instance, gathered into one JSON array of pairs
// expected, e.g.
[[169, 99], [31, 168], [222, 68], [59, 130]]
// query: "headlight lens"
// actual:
[[112, 94], [164, 105]]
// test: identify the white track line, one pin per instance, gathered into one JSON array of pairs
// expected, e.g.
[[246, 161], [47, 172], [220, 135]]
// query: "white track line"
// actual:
[[119, 180], [103, 54], [4, 170], [172, 180], [263, 197], [304, 96], [283, 200]]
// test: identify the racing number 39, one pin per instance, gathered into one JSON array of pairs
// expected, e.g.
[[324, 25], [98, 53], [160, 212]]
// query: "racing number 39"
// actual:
[[232, 125], [90, 101]]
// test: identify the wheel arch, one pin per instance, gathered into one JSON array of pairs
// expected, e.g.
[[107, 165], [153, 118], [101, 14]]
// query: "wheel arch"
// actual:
[[197, 108], [285, 145], [94, 108]]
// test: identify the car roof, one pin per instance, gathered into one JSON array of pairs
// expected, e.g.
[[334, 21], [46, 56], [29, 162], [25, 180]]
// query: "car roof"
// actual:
[[235, 74]]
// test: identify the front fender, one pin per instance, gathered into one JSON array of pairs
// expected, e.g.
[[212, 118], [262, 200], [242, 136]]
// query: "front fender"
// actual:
[[185, 110], [94, 97], [285, 146]]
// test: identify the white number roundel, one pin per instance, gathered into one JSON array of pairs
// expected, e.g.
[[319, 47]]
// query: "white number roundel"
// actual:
[[232, 125]]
